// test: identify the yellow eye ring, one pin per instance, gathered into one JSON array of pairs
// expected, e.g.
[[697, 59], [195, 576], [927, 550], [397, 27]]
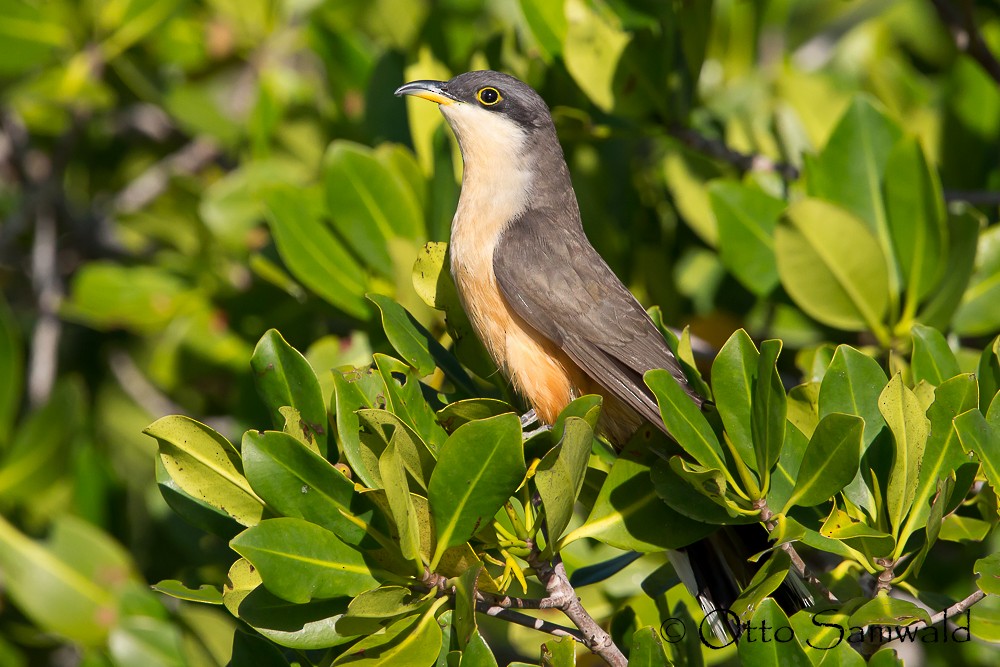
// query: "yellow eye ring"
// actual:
[[488, 96]]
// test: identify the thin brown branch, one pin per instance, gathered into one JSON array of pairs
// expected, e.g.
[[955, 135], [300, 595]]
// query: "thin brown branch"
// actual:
[[799, 565], [553, 577], [529, 621], [153, 182], [43, 362], [745, 162], [961, 23]]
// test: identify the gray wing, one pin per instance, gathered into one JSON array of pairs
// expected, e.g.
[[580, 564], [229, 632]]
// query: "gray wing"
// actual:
[[555, 280]]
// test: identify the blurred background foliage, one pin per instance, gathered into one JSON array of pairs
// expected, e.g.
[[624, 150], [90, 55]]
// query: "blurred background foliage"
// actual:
[[179, 176]]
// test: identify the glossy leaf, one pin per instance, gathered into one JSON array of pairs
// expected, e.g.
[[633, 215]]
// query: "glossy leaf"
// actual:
[[312, 253], [988, 570], [478, 468], [559, 476], [915, 219], [647, 649], [832, 266], [747, 218], [734, 374], [884, 610], [776, 643], [767, 417], [285, 378], [397, 491], [910, 430], [932, 359], [408, 642], [627, 514], [299, 561], [684, 420], [829, 462], [978, 436], [963, 235], [299, 483], [206, 466], [977, 315], [368, 203]]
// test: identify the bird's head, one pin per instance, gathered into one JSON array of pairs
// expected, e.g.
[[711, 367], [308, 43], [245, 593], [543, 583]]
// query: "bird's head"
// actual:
[[507, 137]]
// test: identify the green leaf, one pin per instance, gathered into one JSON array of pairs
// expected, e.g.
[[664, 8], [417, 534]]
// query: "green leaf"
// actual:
[[405, 398], [591, 51], [559, 652], [408, 642], [988, 373], [825, 633], [958, 528], [787, 471], [963, 233], [628, 514], [206, 466], [285, 378], [477, 653], [36, 456], [932, 360], [767, 418], [455, 414], [463, 619], [916, 219], [857, 534], [829, 462], [734, 374], [770, 639], [312, 253], [11, 363], [297, 626], [143, 640], [673, 484], [71, 585], [910, 429], [478, 468], [647, 649], [397, 491], [849, 173], [852, 385], [349, 396], [747, 218], [943, 453], [297, 482], [978, 436], [382, 428], [884, 610], [369, 203], [765, 581], [988, 570], [205, 594], [408, 336], [832, 267], [684, 420], [299, 561], [547, 21], [978, 315], [559, 475]]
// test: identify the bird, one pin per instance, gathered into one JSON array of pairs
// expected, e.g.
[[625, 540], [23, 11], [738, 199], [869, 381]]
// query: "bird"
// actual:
[[552, 314]]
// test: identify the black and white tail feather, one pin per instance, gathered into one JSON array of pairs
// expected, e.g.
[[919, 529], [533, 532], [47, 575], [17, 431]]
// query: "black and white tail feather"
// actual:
[[716, 569]]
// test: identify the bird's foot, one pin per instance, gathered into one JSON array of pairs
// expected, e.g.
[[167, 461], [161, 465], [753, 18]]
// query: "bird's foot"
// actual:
[[528, 418]]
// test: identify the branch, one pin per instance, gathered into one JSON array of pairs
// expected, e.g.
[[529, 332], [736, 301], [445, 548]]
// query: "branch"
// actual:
[[529, 621], [154, 181], [962, 26], [801, 569], [743, 161], [553, 577], [947, 612]]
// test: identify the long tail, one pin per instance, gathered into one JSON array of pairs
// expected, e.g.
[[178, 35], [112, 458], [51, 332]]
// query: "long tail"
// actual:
[[716, 569]]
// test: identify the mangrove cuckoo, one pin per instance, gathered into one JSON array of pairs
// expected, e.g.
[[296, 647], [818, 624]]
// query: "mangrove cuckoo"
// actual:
[[553, 315]]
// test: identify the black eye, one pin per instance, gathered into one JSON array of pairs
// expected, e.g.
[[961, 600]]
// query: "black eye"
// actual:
[[488, 96]]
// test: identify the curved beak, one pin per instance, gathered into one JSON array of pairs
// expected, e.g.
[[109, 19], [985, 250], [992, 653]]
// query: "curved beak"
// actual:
[[428, 90]]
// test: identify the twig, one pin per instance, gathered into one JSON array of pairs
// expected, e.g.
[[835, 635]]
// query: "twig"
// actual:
[[743, 161], [947, 612], [974, 197], [529, 621], [43, 363], [153, 182], [553, 577], [801, 569], [962, 25]]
